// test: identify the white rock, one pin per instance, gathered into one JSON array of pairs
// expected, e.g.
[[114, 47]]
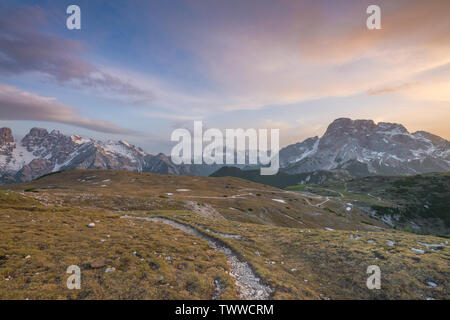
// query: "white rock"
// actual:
[[431, 245], [417, 251], [91, 225], [108, 270], [432, 284], [390, 243]]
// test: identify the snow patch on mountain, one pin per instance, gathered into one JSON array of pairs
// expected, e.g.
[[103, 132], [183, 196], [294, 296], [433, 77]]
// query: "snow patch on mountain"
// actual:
[[16, 159], [41, 152]]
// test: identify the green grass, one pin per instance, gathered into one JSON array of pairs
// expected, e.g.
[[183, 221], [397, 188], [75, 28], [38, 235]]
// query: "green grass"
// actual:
[[423, 199], [296, 187]]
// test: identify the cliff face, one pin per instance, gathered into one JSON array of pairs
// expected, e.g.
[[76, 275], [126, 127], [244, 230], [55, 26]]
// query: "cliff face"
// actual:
[[5, 136]]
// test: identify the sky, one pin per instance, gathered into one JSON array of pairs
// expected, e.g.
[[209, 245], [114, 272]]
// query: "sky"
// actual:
[[137, 70]]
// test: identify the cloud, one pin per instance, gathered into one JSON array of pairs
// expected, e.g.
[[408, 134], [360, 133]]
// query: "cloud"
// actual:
[[24, 48], [391, 89], [268, 55], [16, 104], [278, 53], [430, 85], [171, 116]]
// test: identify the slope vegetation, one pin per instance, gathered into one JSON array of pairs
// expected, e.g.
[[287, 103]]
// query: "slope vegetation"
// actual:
[[166, 237]]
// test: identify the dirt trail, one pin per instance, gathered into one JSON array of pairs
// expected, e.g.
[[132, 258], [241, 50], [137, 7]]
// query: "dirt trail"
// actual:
[[247, 282]]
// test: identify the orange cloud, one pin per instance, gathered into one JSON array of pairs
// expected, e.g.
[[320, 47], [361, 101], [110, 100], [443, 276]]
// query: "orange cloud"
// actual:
[[303, 50], [392, 89]]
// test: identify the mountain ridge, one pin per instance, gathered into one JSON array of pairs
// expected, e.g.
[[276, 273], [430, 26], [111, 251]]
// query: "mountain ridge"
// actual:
[[360, 147], [41, 152], [364, 148]]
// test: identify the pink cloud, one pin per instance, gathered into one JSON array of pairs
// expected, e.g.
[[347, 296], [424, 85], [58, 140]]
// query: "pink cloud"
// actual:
[[21, 105]]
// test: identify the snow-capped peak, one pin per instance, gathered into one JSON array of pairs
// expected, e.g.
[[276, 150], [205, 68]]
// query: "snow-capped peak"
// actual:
[[369, 148]]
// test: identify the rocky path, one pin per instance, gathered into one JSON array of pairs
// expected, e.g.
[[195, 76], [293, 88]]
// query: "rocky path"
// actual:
[[249, 285]]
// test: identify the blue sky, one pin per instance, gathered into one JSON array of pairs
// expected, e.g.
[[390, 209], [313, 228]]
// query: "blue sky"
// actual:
[[139, 69]]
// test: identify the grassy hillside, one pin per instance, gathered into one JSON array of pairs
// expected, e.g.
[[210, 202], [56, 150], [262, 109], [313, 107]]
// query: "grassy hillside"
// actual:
[[282, 179], [419, 203], [302, 246]]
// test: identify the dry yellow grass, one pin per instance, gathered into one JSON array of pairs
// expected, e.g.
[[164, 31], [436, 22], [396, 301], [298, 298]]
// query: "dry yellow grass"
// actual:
[[285, 243], [37, 246]]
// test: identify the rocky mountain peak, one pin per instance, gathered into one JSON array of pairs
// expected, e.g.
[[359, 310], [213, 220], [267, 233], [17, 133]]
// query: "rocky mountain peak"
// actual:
[[359, 146], [392, 127], [41, 152], [6, 136], [343, 126], [56, 133], [163, 156], [363, 147], [38, 132], [78, 139]]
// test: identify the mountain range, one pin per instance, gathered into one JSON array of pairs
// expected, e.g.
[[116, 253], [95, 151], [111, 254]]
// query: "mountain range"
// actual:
[[364, 148], [41, 152], [359, 147]]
